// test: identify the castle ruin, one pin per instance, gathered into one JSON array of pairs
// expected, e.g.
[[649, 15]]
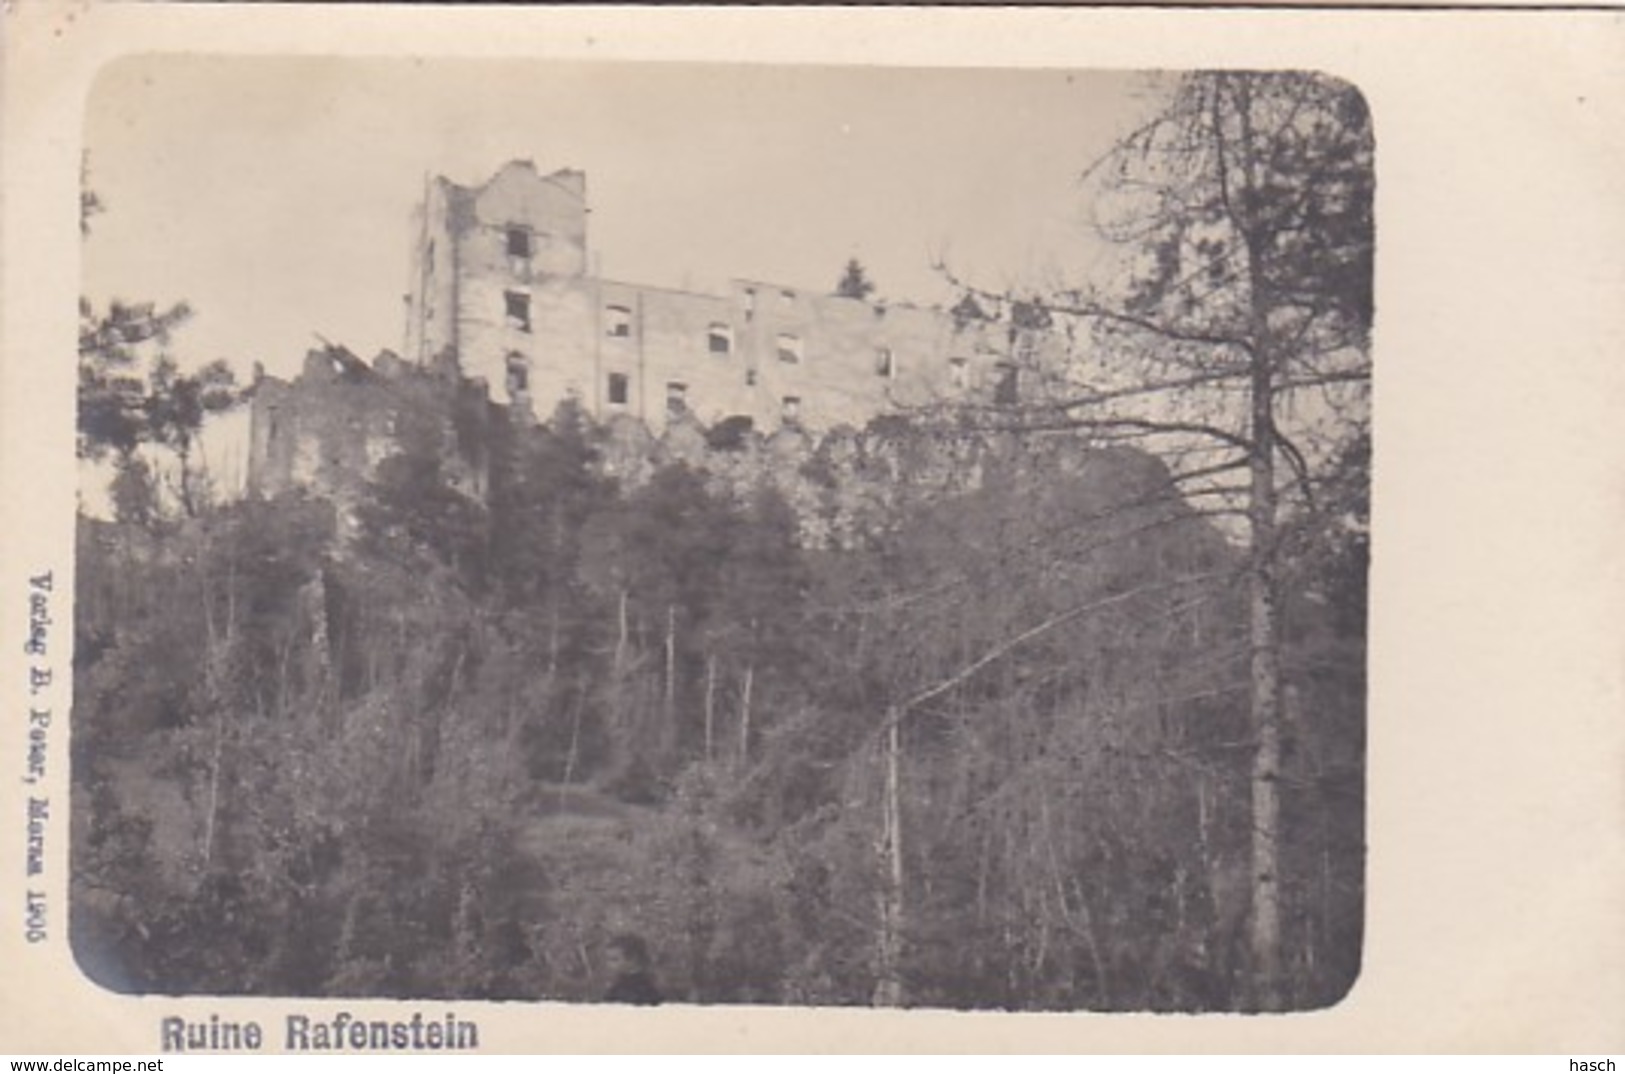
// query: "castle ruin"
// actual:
[[502, 305]]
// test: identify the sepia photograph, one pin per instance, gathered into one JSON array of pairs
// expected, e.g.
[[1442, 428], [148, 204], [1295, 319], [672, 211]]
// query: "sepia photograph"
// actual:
[[632, 533], [570, 529]]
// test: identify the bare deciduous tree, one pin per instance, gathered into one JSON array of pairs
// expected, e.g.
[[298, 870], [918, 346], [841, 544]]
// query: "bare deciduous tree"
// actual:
[[1234, 342]]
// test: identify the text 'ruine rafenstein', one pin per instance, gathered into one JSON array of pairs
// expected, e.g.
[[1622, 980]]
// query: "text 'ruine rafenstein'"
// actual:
[[339, 1032]]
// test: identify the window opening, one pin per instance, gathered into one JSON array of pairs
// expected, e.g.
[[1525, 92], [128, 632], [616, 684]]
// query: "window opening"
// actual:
[[617, 389], [519, 243], [885, 364], [676, 397], [518, 373], [719, 338], [618, 321], [1005, 389], [518, 309], [789, 346], [792, 409]]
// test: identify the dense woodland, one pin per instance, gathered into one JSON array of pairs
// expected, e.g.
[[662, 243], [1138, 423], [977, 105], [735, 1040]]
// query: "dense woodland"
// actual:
[[1087, 735]]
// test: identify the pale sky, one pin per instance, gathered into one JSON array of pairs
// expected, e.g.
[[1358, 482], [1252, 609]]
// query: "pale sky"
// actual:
[[273, 194]]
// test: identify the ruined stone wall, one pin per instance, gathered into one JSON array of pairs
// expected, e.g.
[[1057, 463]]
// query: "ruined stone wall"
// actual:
[[321, 431], [671, 344], [501, 281], [842, 483], [849, 360], [798, 360], [326, 431]]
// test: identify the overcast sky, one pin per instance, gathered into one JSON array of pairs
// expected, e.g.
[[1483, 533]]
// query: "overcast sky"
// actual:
[[273, 194]]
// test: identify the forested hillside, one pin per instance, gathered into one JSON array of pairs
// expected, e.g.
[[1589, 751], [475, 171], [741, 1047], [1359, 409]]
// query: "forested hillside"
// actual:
[[453, 755]]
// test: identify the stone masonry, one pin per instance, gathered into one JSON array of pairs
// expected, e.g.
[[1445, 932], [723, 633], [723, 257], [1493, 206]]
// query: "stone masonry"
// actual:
[[500, 280]]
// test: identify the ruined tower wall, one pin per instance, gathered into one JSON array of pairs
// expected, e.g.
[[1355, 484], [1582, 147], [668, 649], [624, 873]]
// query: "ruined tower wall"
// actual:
[[431, 304], [497, 273], [530, 362], [552, 208], [523, 315]]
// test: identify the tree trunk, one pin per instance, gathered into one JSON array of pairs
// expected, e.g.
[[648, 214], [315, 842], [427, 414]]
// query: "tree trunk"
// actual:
[[215, 671], [212, 810], [620, 634], [575, 750], [1263, 626], [671, 664], [710, 702], [553, 644], [1265, 674], [744, 714], [889, 977], [188, 502]]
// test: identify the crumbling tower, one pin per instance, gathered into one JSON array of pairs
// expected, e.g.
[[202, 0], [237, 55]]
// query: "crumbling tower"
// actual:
[[498, 283]]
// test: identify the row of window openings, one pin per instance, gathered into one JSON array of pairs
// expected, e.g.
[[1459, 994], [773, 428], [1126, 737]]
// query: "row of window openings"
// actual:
[[620, 385], [520, 249], [789, 351], [519, 380], [518, 377], [1004, 389], [719, 337], [786, 298], [677, 398]]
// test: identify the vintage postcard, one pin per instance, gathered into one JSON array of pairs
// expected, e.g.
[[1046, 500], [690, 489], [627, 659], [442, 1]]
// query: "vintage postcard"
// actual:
[[810, 530]]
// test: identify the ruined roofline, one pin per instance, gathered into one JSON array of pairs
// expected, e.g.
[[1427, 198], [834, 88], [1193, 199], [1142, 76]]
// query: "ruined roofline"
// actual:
[[336, 362], [822, 295], [633, 285], [810, 294], [560, 179]]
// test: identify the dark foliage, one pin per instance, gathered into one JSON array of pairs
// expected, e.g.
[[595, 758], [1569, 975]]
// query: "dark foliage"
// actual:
[[855, 282], [459, 757]]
